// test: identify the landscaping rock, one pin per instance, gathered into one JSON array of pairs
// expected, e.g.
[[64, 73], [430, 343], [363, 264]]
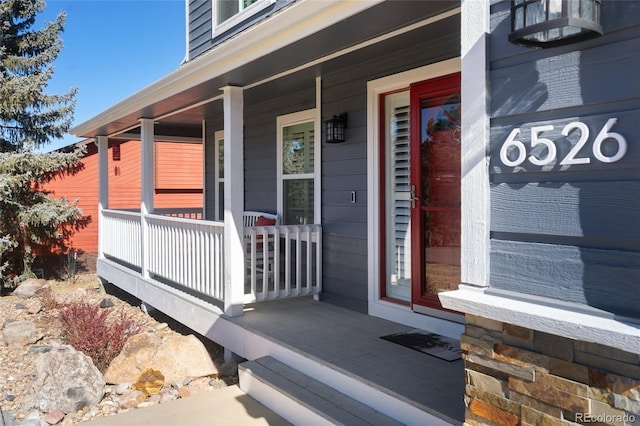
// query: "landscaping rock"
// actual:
[[21, 333], [30, 288], [67, 380], [150, 382], [106, 303], [54, 417], [176, 356], [132, 399]]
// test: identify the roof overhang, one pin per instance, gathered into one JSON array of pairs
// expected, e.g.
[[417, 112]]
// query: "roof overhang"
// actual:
[[292, 38]]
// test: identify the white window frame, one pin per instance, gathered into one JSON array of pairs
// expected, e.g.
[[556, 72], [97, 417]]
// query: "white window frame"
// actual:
[[218, 139], [378, 307], [238, 17], [290, 120]]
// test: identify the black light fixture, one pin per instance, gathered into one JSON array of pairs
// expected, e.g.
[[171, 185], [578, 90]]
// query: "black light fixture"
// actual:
[[550, 23], [335, 128]]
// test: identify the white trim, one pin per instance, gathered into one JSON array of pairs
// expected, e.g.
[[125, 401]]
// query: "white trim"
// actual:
[[238, 17], [553, 318], [157, 138], [317, 165], [102, 142], [475, 201], [290, 120], [204, 169], [377, 307], [217, 138], [301, 19], [147, 176], [234, 267]]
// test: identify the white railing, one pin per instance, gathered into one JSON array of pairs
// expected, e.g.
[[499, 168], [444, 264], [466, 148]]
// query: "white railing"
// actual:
[[121, 236], [283, 261], [183, 212], [187, 252]]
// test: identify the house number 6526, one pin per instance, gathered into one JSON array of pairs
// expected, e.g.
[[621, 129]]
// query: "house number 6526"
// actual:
[[511, 144]]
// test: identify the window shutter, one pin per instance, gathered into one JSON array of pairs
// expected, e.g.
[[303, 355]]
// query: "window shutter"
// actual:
[[401, 192]]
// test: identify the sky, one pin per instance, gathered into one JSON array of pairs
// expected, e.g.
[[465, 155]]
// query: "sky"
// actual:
[[112, 49]]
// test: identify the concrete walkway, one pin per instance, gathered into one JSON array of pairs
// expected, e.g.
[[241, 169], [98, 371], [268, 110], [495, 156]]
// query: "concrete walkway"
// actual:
[[227, 406]]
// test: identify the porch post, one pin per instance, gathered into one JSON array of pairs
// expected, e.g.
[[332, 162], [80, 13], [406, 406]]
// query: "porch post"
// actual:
[[102, 142], [234, 263], [147, 186]]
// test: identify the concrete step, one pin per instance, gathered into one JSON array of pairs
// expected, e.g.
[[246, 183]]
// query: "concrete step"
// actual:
[[301, 399]]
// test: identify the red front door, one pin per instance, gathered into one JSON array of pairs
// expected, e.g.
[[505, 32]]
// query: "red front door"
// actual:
[[435, 189]]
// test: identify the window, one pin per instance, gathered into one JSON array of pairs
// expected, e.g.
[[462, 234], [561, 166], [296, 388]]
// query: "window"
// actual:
[[227, 13], [298, 195]]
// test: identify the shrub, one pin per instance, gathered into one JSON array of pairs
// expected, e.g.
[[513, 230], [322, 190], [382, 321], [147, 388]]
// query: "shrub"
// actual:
[[87, 328]]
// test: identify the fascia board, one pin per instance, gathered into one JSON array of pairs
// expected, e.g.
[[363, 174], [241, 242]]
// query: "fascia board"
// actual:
[[297, 21]]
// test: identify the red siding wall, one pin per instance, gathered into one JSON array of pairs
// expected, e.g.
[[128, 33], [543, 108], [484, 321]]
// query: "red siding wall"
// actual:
[[179, 169]]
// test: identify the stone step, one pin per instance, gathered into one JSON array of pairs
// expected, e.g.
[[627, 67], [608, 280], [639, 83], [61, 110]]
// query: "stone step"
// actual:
[[301, 399]]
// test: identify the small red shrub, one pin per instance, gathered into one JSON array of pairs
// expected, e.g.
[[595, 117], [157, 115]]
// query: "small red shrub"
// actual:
[[88, 330]]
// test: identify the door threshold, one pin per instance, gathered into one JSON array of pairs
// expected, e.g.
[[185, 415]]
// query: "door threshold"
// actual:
[[449, 316]]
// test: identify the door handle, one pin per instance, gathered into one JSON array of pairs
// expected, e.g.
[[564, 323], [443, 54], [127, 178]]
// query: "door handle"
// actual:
[[413, 197]]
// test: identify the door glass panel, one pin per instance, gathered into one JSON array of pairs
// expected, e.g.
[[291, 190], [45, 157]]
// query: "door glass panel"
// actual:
[[298, 206], [440, 190], [297, 149], [397, 197]]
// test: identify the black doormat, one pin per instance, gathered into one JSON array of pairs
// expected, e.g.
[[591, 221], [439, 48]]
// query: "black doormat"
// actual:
[[428, 343]]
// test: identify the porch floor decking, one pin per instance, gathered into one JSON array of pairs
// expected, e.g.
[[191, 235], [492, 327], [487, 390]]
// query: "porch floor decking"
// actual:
[[350, 341]]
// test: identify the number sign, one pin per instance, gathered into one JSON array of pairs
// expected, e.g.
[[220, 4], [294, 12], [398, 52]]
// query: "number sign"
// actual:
[[514, 152]]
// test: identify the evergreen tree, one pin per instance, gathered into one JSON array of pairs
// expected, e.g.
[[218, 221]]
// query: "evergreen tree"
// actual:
[[29, 119]]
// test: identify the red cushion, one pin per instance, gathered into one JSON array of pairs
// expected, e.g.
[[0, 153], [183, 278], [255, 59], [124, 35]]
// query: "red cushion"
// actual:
[[263, 221]]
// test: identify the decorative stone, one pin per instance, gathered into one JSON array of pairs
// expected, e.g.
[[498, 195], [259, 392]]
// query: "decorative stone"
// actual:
[[198, 386], [176, 356], [21, 333], [106, 303], [34, 307], [67, 380], [122, 388], [54, 417], [496, 415], [30, 288], [132, 399], [150, 382]]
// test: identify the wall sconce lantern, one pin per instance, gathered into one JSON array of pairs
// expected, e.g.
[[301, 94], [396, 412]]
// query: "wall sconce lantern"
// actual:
[[550, 23], [335, 128]]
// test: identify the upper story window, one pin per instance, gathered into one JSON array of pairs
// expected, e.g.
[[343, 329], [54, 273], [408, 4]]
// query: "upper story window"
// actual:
[[227, 13]]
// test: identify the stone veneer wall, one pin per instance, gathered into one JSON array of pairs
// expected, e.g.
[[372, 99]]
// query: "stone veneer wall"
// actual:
[[516, 375]]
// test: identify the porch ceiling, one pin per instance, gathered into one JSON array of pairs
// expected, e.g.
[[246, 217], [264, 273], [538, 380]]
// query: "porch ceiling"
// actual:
[[175, 118]]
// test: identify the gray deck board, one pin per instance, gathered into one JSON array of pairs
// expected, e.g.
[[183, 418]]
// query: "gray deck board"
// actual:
[[351, 341]]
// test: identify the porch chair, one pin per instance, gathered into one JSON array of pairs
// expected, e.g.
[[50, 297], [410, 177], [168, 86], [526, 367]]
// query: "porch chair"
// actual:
[[256, 218]]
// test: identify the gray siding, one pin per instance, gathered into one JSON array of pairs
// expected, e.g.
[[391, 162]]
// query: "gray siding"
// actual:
[[568, 232], [200, 33], [344, 165]]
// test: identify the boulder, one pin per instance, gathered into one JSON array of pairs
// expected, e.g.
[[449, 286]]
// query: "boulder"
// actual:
[[21, 333], [176, 357], [67, 380], [30, 288]]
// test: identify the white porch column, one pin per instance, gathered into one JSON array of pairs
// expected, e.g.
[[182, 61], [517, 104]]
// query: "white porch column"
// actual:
[[147, 187], [234, 263], [475, 143], [102, 142]]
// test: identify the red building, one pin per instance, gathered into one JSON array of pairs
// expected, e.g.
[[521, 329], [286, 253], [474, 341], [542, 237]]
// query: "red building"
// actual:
[[178, 183]]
